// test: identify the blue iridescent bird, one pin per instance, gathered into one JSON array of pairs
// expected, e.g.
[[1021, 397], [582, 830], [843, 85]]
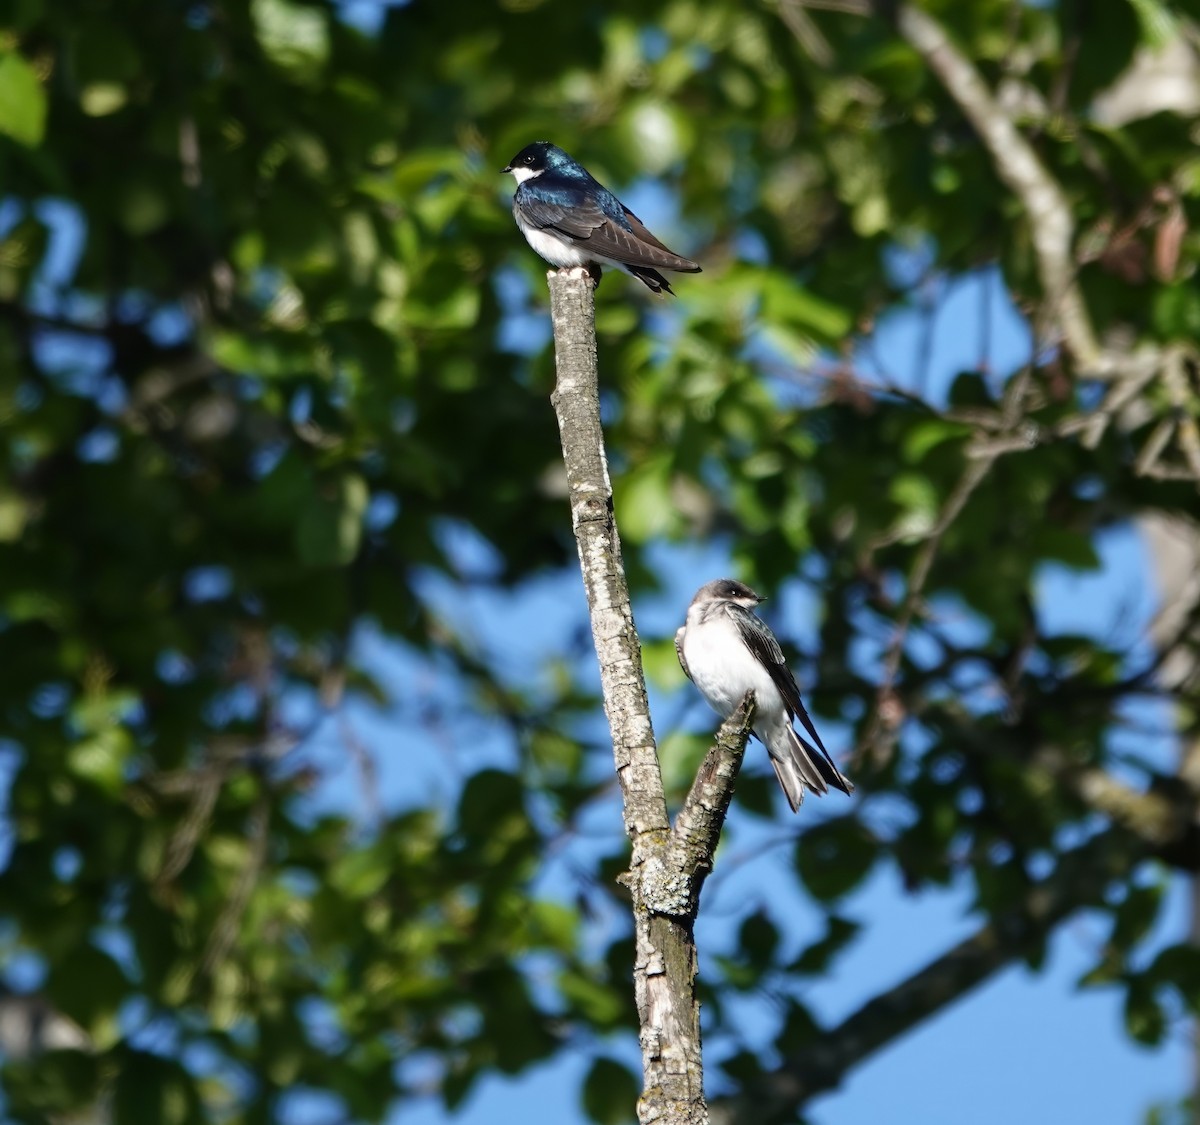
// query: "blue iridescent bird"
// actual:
[[570, 219]]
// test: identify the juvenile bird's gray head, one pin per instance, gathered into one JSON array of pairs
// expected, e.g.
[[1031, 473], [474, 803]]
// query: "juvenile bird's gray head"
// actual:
[[727, 590]]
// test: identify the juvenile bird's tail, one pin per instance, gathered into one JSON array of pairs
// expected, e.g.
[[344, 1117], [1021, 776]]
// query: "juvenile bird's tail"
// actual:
[[802, 767]]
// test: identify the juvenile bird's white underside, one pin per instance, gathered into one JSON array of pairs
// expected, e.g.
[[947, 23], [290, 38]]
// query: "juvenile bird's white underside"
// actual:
[[724, 669]]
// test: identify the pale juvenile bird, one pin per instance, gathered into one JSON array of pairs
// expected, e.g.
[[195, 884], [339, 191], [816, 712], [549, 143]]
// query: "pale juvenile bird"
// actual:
[[726, 650]]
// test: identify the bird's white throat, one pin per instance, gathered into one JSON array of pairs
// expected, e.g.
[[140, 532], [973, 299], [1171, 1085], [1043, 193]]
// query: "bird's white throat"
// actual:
[[523, 174]]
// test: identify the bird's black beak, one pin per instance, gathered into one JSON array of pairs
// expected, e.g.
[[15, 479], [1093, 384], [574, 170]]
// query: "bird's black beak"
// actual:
[[759, 598], [507, 168]]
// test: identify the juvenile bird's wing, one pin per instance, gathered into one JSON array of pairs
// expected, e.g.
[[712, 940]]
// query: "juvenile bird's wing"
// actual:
[[762, 644], [679, 651], [580, 218]]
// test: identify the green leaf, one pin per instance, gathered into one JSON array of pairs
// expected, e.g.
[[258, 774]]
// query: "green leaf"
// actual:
[[89, 987], [927, 434], [1159, 24], [789, 303], [610, 1093], [99, 99], [1179, 967], [642, 500], [295, 36], [513, 1027], [13, 514], [557, 757], [834, 857], [680, 755], [661, 662], [1134, 917], [1108, 970], [100, 710], [599, 1003], [796, 346], [1105, 46], [489, 797], [917, 497], [1176, 311], [445, 302], [660, 130], [54, 1082], [746, 1068], [756, 793], [799, 1028], [330, 529], [1071, 548], [1034, 953], [101, 759], [758, 938], [361, 873], [815, 960], [553, 923], [1145, 1019], [615, 319], [22, 101], [152, 1088], [459, 1082]]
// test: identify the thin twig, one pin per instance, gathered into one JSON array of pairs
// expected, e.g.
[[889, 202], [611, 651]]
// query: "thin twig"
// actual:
[[225, 931], [885, 712]]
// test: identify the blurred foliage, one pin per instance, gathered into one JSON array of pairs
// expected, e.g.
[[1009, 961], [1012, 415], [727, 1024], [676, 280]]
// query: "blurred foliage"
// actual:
[[257, 288]]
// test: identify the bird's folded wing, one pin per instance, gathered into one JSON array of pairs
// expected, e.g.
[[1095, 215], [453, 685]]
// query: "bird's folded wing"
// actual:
[[670, 259], [762, 643], [584, 222], [679, 652]]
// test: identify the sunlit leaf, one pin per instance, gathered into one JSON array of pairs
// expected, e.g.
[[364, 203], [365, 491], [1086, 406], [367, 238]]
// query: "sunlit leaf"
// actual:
[[294, 35], [22, 101]]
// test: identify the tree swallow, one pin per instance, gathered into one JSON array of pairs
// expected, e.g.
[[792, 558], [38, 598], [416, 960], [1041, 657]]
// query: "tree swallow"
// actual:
[[726, 649], [571, 220]]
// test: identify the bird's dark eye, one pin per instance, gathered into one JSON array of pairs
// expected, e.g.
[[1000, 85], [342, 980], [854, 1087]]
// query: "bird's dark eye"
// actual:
[[529, 160]]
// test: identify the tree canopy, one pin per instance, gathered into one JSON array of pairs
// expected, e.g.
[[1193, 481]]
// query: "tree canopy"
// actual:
[[273, 399]]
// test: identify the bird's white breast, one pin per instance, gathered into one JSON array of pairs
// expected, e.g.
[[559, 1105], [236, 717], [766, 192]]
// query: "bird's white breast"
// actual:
[[724, 669], [550, 246]]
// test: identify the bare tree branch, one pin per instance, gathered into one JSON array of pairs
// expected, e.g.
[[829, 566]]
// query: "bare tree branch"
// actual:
[[1017, 164], [698, 824], [225, 930], [879, 739], [667, 868], [576, 401]]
